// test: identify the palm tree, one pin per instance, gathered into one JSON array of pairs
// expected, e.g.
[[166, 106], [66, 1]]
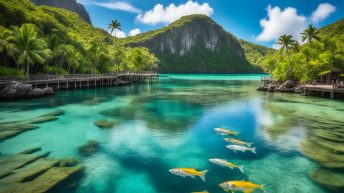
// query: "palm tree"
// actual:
[[287, 43], [98, 51], [5, 37], [310, 34], [114, 25], [27, 48]]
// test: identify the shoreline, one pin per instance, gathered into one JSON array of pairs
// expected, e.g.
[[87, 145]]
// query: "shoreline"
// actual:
[[289, 86]]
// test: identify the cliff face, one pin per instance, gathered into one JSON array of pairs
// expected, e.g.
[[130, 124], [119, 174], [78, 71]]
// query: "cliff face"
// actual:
[[70, 5], [194, 44]]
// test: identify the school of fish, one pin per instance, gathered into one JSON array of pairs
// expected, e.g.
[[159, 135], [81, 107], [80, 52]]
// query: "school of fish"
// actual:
[[229, 186]]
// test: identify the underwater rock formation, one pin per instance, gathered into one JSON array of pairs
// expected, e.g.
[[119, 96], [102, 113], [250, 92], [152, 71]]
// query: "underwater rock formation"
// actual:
[[88, 149], [27, 173], [104, 124], [11, 129], [329, 179]]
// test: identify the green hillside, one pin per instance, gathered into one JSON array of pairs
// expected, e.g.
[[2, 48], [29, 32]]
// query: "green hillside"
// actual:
[[255, 53], [76, 46], [197, 44]]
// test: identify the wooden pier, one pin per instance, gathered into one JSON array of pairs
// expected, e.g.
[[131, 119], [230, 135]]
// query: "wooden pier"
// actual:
[[332, 89], [75, 81]]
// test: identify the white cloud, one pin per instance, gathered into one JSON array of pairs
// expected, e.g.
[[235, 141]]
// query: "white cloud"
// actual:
[[281, 22], [287, 21], [166, 15], [114, 5], [134, 32], [118, 33], [322, 12], [276, 46]]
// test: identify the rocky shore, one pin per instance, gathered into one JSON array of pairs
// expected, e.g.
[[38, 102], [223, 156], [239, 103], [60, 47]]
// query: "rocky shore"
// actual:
[[18, 90], [287, 86]]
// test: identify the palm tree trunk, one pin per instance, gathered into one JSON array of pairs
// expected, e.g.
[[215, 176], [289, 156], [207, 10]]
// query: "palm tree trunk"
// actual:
[[27, 70]]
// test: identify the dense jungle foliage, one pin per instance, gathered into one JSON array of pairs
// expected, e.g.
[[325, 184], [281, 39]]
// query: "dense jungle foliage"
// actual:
[[50, 40], [322, 51]]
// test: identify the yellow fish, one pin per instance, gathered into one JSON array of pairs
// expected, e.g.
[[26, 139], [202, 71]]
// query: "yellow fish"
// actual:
[[223, 131], [189, 172], [238, 142], [244, 186], [225, 163], [201, 192]]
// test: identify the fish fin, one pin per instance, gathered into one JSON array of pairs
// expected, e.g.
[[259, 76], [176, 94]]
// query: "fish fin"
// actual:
[[234, 151], [241, 168], [249, 144], [202, 175], [192, 176], [253, 149], [248, 191]]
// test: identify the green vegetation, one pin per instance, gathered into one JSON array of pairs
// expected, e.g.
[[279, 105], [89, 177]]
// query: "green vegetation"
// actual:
[[57, 41], [323, 50], [255, 53], [197, 44]]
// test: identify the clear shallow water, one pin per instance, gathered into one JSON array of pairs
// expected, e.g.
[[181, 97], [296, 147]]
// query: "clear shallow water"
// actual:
[[170, 125]]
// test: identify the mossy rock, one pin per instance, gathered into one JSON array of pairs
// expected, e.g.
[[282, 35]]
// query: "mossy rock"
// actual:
[[43, 119], [8, 131], [329, 135], [325, 157], [332, 145], [17, 127], [104, 124], [68, 163], [27, 173], [54, 113], [30, 151], [90, 148], [329, 179]]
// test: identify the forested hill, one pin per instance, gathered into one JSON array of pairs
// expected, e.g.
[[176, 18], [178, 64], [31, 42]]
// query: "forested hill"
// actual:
[[197, 44], [72, 45], [255, 53], [70, 5], [335, 29]]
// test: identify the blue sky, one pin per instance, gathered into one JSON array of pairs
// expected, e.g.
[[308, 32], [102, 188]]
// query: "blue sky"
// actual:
[[258, 21]]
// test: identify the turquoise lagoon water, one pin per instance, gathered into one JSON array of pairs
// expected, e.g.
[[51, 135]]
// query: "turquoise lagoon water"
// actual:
[[170, 125]]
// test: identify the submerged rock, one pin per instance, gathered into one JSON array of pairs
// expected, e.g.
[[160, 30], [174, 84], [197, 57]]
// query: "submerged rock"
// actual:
[[26, 173], [54, 113], [104, 124], [91, 147], [68, 162], [43, 119], [324, 156], [330, 179], [18, 90], [30, 151], [11, 130]]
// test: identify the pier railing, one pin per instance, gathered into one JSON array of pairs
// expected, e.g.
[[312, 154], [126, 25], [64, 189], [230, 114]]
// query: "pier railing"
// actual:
[[37, 78]]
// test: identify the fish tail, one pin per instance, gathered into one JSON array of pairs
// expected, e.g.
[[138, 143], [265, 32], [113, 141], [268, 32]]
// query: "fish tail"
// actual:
[[249, 144], [241, 168], [202, 175], [253, 149]]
